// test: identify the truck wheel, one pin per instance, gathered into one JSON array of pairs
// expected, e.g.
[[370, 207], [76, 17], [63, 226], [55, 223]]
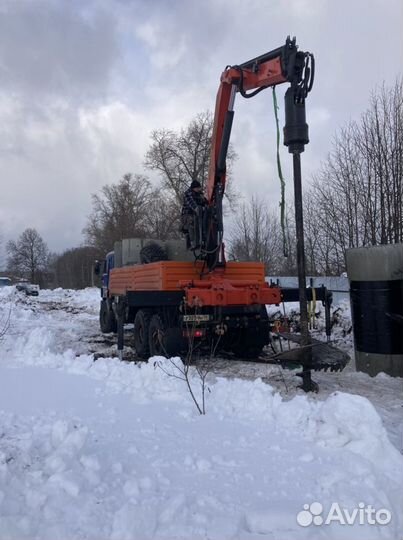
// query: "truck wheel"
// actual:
[[164, 341], [156, 336], [152, 252], [141, 331], [107, 319], [250, 343]]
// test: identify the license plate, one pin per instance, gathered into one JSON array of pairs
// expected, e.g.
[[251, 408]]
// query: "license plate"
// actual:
[[196, 318]]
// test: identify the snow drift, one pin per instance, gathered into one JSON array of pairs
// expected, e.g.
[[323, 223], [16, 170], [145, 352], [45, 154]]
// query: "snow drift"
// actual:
[[106, 449]]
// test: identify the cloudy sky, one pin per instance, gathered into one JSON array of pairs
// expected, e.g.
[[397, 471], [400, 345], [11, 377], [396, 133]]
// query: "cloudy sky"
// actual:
[[84, 82]]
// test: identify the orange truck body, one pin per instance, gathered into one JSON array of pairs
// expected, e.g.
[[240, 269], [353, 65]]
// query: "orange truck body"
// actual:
[[238, 283]]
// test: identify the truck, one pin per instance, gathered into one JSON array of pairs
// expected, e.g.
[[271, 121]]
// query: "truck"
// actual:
[[170, 299], [176, 292]]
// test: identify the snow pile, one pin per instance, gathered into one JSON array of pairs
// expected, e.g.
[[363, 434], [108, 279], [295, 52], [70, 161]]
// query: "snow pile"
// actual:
[[148, 470], [54, 321], [107, 449], [42, 470], [88, 298]]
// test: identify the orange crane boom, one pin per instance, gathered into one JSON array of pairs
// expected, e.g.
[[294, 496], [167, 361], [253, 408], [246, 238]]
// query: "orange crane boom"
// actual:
[[284, 64]]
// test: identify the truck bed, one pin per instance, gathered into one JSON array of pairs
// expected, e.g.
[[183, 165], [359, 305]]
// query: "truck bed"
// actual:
[[167, 275]]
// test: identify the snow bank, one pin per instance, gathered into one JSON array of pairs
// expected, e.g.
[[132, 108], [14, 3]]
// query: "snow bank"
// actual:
[[88, 298], [159, 470], [127, 455]]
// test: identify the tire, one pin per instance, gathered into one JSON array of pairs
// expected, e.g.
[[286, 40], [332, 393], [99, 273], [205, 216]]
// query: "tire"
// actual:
[[164, 341], [141, 332], [251, 341], [152, 252], [107, 319]]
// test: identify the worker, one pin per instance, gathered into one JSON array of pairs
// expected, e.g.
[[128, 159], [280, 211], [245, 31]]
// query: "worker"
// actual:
[[193, 204]]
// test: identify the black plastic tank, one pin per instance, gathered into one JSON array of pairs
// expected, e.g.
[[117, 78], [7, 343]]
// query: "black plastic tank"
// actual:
[[376, 294]]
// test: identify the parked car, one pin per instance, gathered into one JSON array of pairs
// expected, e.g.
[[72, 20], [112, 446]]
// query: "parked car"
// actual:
[[5, 281], [29, 288]]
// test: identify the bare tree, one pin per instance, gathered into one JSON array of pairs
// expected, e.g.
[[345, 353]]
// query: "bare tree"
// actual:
[[319, 244], [257, 236], [192, 369], [162, 220], [358, 193], [183, 156], [73, 269], [119, 211], [29, 255]]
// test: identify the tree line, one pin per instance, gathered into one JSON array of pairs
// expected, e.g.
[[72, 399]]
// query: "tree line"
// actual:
[[355, 199], [358, 193]]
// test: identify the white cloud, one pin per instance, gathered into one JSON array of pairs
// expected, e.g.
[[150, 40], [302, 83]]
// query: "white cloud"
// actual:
[[148, 32], [84, 84], [165, 48], [117, 135], [51, 48], [319, 116]]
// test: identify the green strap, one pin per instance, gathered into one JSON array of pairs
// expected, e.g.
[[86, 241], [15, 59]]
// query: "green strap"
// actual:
[[280, 175]]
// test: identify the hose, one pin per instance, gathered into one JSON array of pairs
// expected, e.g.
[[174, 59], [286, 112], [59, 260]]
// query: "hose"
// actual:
[[283, 220]]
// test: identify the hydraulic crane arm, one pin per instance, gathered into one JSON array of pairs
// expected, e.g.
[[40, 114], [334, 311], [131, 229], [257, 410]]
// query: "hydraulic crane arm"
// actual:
[[284, 64]]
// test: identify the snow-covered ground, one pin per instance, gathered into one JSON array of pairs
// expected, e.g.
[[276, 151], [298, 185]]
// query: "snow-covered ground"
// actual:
[[106, 449]]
